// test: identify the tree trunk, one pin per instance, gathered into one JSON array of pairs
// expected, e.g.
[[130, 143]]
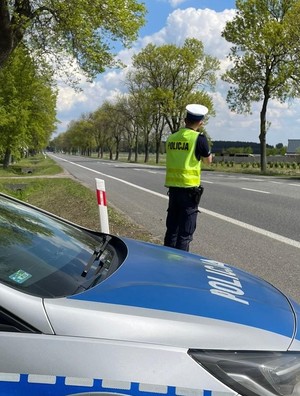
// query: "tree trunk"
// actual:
[[12, 27], [263, 151], [129, 154], [6, 36], [157, 151], [136, 149], [117, 149], [146, 145], [262, 136], [146, 153], [6, 159]]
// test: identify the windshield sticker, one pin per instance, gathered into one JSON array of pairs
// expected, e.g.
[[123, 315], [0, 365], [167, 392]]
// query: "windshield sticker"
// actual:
[[20, 276]]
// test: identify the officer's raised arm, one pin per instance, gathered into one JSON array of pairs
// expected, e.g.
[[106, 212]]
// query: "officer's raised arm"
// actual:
[[207, 160]]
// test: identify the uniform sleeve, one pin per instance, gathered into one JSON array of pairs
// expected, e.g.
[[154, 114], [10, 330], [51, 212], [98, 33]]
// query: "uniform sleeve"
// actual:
[[202, 147]]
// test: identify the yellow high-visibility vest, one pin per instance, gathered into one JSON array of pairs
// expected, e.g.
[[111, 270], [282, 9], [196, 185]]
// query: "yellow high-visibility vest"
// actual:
[[183, 169]]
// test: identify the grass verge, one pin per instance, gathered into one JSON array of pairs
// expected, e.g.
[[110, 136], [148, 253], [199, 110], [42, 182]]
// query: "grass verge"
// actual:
[[68, 199]]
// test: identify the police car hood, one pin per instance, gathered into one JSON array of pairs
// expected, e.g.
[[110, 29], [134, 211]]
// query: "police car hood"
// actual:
[[169, 297]]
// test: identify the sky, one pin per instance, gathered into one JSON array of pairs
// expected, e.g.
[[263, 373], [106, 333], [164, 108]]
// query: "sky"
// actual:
[[171, 22]]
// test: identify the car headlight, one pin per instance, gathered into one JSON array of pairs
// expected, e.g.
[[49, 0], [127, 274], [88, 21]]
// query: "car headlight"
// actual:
[[254, 373]]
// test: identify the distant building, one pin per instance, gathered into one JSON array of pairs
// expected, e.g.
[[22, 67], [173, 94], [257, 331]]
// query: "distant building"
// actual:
[[293, 147]]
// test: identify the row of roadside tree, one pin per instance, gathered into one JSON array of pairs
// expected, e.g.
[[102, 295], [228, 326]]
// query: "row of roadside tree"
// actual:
[[264, 66], [162, 81]]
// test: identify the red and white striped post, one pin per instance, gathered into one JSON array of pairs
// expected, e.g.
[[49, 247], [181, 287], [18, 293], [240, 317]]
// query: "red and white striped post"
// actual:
[[102, 204]]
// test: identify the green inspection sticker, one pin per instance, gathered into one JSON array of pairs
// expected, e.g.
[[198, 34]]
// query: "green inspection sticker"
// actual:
[[20, 276]]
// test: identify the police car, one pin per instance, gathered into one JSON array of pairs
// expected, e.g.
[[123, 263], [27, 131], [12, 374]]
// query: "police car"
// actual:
[[84, 313]]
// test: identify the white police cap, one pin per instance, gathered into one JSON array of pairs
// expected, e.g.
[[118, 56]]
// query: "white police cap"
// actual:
[[196, 112]]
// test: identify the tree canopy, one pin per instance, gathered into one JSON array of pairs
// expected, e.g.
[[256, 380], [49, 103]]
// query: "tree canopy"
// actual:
[[265, 56], [175, 76], [81, 29], [162, 82], [27, 106]]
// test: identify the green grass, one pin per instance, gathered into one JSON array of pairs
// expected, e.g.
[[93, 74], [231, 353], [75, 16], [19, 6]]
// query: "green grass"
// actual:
[[62, 196], [37, 166], [66, 198]]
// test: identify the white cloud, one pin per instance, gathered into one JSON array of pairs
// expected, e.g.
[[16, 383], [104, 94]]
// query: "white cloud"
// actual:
[[205, 25], [72, 105]]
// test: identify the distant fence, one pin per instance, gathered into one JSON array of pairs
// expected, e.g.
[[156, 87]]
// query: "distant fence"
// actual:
[[256, 158]]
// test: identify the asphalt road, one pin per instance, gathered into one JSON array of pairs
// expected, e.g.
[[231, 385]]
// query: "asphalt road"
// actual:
[[251, 222]]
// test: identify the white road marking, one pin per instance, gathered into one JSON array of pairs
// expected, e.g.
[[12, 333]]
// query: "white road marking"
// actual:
[[249, 227], [248, 178], [258, 191], [258, 230], [145, 170]]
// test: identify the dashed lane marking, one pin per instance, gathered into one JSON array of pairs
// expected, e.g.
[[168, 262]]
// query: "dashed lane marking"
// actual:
[[258, 191]]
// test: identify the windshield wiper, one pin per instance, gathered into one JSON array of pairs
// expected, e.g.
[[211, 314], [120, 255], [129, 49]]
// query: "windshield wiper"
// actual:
[[96, 255]]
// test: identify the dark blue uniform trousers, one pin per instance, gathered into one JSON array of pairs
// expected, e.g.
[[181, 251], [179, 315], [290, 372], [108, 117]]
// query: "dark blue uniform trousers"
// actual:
[[181, 218]]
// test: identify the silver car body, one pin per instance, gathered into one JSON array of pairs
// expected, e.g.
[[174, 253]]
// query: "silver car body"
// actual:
[[131, 333]]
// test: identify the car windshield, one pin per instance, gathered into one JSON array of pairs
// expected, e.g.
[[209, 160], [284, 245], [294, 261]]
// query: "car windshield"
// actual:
[[47, 257]]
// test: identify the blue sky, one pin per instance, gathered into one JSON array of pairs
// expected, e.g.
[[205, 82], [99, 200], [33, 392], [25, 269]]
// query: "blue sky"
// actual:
[[158, 10], [172, 21]]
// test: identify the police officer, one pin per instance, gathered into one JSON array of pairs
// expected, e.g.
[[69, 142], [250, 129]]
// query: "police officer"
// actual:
[[185, 149]]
